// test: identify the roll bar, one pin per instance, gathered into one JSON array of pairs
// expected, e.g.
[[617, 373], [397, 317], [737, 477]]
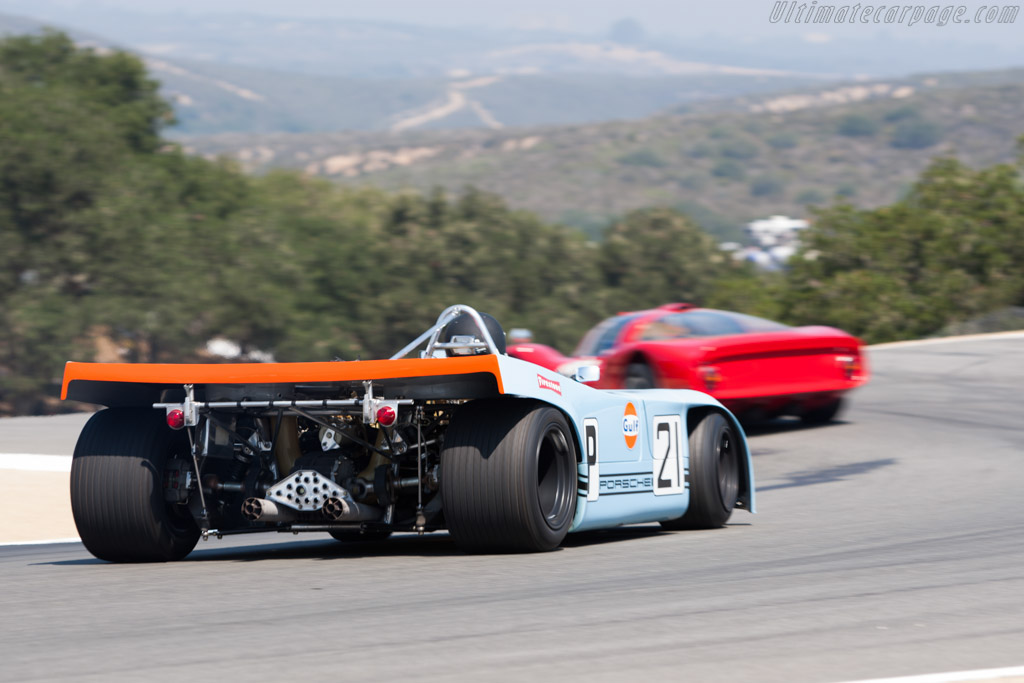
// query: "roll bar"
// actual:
[[434, 333]]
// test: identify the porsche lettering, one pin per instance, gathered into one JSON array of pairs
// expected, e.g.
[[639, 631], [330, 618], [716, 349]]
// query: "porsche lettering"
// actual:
[[627, 484]]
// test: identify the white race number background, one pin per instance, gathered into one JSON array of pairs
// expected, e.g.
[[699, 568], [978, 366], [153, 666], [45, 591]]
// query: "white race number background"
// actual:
[[669, 471]]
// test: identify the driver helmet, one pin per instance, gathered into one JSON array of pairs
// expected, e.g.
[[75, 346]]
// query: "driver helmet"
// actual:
[[464, 325]]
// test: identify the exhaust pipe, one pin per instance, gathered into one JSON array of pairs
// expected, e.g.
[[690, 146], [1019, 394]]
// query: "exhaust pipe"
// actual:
[[263, 510], [335, 509], [299, 495], [342, 510]]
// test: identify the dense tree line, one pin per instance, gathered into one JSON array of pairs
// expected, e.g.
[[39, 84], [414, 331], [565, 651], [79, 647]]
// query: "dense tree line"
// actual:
[[117, 245], [951, 250]]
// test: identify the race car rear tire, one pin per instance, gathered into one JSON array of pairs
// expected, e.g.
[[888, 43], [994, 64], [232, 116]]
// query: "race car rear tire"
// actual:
[[117, 496], [508, 477], [714, 474]]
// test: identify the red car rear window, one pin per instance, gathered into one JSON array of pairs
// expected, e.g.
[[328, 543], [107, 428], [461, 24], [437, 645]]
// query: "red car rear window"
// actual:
[[602, 337], [706, 323]]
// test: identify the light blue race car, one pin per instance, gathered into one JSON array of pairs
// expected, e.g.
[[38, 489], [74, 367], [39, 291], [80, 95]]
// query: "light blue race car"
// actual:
[[503, 454]]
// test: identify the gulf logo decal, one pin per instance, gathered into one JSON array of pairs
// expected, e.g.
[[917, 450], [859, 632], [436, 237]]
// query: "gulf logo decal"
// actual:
[[630, 425]]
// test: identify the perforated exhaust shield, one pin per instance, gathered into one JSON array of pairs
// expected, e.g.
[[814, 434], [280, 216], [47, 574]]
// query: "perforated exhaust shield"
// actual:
[[306, 490]]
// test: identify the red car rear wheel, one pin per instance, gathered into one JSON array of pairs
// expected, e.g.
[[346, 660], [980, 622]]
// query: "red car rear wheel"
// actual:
[[639, 376]]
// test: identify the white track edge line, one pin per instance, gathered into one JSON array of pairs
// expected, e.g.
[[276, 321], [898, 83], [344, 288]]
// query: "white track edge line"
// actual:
[[1013, 334], [8, 544], [952, 676], [34, 462]]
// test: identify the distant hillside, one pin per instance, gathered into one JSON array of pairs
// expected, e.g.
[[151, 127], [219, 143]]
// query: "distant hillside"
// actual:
[[753, 157], [214, 98], [520, 84]]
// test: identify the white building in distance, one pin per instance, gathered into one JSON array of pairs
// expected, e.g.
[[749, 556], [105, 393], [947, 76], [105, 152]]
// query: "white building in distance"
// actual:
[[775, 240], [777, 231]]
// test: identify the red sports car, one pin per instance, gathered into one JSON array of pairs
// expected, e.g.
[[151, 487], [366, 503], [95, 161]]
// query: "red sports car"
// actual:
[[756, 367]]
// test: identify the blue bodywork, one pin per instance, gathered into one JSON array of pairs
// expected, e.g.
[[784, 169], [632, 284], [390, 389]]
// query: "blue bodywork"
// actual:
[[618, 484]]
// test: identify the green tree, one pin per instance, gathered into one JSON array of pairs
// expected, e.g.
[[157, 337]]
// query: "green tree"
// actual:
[[738, 148], [97, 222], [728, 169], [656, 255], [901, 113], [857, 125], [952, 249], [116, 82], [740, 286], [767, 186], [645, 156], [915, 133], [811, 196], [784, 140]]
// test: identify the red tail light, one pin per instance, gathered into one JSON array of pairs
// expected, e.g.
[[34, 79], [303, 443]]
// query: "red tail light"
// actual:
[[711, 377], [175, 419], [850, 365], [386, 416]]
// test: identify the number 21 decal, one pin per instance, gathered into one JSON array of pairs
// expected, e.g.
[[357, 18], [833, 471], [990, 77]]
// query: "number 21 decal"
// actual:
[[669, 468]]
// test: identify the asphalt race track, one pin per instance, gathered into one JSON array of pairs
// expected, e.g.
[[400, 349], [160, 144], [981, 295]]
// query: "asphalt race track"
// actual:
[[889, 544]]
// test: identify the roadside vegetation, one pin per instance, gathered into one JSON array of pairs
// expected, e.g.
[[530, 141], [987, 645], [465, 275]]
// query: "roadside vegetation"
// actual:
[[116, 245]]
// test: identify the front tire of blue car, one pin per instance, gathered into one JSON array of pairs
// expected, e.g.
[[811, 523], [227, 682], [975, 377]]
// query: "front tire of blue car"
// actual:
[[508, 477], [715, 451]]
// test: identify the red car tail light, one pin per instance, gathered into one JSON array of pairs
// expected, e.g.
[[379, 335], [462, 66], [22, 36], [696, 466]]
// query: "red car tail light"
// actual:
[[711, 377], [850, 365]]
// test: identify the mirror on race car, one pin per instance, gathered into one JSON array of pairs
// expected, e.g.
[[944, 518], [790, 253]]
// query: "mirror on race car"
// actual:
[[587, 373]]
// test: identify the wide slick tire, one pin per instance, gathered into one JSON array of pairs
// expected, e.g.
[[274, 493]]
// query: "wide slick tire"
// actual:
[[117, 488], [715, 451], [508, 477]]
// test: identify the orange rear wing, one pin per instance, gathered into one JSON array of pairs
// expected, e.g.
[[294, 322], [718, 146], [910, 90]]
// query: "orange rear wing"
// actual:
[[142, 384]]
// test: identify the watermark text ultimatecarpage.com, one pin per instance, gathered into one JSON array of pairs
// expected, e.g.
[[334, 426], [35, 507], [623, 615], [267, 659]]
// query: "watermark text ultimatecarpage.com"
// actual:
[[796, 12]]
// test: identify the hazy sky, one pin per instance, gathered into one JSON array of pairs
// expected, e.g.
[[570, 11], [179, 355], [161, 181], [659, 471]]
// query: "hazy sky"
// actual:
[[739, 18], [735, 19], [573, 15]]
